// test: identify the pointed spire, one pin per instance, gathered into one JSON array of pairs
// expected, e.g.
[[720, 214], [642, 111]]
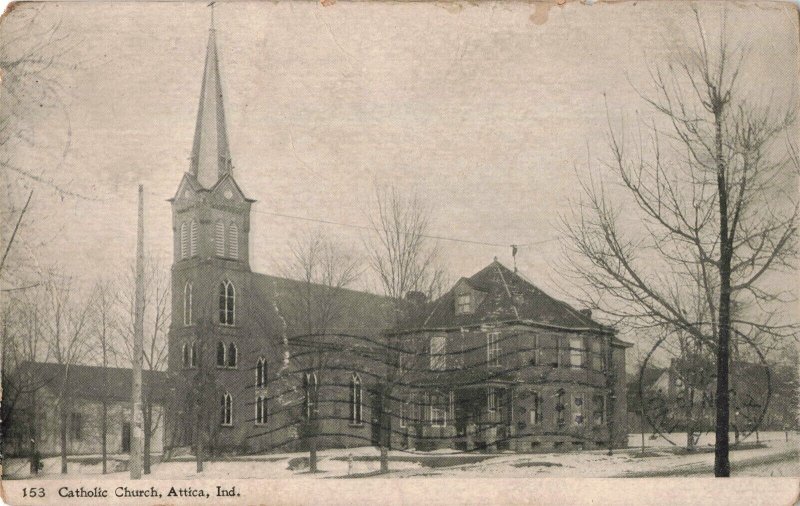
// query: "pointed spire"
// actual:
[[211, 158]]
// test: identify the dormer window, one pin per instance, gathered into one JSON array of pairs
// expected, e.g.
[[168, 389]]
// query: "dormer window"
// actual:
[[464, 303]]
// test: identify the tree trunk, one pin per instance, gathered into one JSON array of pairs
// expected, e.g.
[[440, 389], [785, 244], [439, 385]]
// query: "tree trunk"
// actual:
[[104, 435], [63, 433], [385, 435], [722, 465], [148, 415], [34, 457], [198, 444]]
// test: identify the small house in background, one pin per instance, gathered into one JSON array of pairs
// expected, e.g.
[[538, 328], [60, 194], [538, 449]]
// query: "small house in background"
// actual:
[[83, 389], [498, 364]]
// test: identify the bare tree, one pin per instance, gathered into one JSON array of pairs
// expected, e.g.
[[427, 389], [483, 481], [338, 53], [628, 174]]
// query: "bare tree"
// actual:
[[314, 306], [65, 324], [404, 260], [713, 183], [105, 328]]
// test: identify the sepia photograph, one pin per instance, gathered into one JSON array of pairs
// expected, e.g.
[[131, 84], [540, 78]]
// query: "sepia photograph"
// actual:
[[280, 252]]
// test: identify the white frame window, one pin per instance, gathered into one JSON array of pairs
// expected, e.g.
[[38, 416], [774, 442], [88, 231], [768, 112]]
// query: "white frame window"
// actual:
[[193, 355], [227, 410], [491, 400], [577, 352], [261, 410], [463, 303], [438, 410], [184, 240], [438, 353], [261, 373], [227, 303], [193, 239], [309, 390], [356, 400], [232, 357], [187, 304], [222, 354], [233, 241], [493, 349], [219, 238]]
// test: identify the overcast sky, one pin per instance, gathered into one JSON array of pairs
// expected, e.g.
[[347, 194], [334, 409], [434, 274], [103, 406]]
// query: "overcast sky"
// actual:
[[488, 111]]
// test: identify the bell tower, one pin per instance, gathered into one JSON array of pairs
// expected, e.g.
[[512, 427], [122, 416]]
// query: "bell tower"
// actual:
[[210, 213]]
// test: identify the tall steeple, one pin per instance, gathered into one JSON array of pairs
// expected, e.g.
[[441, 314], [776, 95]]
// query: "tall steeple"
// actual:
[[211, 158]]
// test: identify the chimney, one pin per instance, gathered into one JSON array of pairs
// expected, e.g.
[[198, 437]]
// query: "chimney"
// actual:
[[417, 298], [586, 312]]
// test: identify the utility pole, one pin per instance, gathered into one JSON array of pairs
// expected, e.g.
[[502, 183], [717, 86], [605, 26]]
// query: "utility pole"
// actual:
[[137, 434]]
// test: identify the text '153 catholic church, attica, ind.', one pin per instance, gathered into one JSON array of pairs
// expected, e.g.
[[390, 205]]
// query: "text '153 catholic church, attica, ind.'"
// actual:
[[493, 364]]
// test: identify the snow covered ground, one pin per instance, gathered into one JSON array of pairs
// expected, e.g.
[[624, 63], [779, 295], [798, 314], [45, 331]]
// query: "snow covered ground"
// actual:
[[775, 457]]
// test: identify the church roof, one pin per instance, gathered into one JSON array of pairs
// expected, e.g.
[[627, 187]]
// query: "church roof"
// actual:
[[504, 296], [211, 158], [94, 383], [354, 313]]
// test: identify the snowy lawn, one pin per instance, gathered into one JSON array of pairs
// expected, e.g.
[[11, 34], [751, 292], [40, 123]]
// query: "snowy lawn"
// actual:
[[773, 457]]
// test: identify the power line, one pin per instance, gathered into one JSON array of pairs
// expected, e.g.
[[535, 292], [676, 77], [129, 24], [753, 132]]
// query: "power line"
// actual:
[[366, 227]]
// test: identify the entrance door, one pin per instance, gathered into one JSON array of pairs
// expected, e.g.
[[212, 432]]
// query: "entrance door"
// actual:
[[126, 437]]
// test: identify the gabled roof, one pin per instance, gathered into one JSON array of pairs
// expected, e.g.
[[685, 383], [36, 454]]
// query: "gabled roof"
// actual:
[[95, 383], [508, 297], [355, 313]]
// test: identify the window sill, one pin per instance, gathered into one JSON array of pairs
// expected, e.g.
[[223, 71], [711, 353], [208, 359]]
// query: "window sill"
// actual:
[[351, 424], [227, 367], [226, 425]]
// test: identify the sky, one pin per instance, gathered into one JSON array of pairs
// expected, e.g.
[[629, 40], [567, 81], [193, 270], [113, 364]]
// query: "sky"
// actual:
[[488, 111]]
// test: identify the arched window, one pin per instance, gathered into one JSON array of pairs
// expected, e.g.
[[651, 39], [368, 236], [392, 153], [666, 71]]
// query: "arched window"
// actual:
[[187, 303], [219, 239], [310, 394], [193, 357], [233, 241], [186, 357], [193, 239], [226, 403], [232, 355], [261, 373], [356, 403], [227, 300], [221, 349], [438, 356], [184, 241], [261, 410]]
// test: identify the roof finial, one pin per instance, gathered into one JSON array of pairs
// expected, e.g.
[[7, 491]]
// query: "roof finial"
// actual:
[[212, 15]]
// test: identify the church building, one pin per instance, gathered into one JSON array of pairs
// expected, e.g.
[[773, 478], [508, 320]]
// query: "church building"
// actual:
[[495, 363]]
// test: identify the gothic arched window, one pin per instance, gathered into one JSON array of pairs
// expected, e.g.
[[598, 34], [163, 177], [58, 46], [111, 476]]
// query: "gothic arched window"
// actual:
[[184, 241], [233, 241], [261, 410], [219, 239], [187, 303], [186, 358], [226, 403], [193, 239], [227, 301], [193, 356], [261, 373], [221, 349], [356, 404], [310, 394], [232, 355]]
